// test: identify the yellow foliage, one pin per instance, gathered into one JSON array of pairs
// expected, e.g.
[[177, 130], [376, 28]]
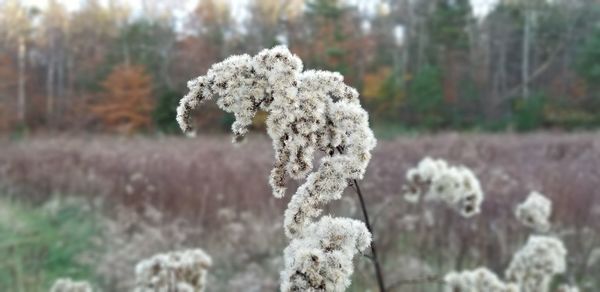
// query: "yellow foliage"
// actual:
[[126, 105], [213, 12], [373, 82], [273, 10], [565, 116]]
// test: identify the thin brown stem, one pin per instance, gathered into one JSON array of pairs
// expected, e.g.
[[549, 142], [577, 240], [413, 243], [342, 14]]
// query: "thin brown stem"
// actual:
[[375, 260], [373, 257]]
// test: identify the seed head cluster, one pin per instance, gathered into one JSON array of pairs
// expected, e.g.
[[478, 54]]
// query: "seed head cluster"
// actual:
[[183, 271], [308, 111], [69, 285], [536, 263], [535, 212], [435, 180], [532, 267], [478, 280], [567, 288], [321, 260]]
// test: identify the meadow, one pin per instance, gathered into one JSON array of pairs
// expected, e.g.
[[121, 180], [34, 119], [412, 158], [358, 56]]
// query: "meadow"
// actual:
[[91, 207], [485, 177]]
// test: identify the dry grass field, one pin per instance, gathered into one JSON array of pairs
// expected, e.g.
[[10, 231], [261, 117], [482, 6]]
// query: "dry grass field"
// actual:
[[154, 194]]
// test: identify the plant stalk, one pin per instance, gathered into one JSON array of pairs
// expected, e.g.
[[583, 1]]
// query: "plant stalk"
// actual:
[[378, 272], [363, 206]]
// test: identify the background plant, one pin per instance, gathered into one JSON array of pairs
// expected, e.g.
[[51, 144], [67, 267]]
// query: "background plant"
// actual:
[[137, 171], [42, 244], [468, 65]]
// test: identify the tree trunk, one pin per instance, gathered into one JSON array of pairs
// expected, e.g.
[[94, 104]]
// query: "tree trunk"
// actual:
[[526, 54], [60, 84], [451, 75], [21, 95], [408, 36], [50, 89]]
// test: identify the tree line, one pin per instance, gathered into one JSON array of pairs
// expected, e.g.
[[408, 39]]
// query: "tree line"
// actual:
[[427, 65]]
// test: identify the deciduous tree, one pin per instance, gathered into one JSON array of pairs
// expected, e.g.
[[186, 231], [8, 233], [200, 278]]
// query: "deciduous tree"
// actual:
[[126, 104]]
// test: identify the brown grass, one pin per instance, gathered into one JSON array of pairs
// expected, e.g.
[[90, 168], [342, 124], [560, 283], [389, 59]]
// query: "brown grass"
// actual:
[[195, 178]]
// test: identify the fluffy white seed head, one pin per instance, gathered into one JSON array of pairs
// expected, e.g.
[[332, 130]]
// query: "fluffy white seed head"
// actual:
[[535, 212], [567, 288], [321, 260], [478, 280], [535, 264], [176, 271], [68, 285], [435, 180], [308, 111]]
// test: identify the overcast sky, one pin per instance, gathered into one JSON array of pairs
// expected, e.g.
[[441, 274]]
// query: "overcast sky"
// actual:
[[480, 7]]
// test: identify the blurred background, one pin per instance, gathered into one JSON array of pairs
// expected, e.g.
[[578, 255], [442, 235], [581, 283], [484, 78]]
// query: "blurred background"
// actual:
[[95, 176]]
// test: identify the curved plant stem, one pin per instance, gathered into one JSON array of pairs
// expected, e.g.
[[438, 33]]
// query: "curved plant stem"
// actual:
[[374, 258]]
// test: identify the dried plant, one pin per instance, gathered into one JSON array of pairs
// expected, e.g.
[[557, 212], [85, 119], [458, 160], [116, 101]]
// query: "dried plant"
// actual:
[[159, 169], [532, 268], [69, 285], [534, 265], [567, 288], [322, 261], [478, 280], [535, 212], [437, 181], [130, 237], [182, 271], [307, 111]]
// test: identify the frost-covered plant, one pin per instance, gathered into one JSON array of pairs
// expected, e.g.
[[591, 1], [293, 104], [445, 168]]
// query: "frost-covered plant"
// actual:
[[478, 280], [535, 212], [535, 264], [69, 285], [435, 180], [183, 271], [307, 111]]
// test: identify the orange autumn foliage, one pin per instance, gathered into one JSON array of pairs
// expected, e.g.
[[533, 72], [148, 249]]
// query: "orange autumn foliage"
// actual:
[[126, 105]]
